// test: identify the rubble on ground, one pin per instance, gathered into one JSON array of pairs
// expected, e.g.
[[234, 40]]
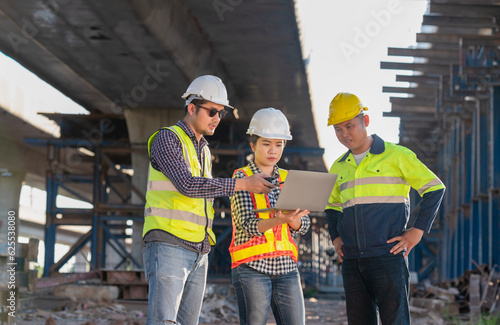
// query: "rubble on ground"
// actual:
[[465, 300], [470, 299], [83, 313], [219, 305]]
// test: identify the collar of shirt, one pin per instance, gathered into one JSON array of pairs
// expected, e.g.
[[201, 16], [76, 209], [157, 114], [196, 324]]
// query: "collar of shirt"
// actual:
[[378, 147], [191, 135], [256, 170]]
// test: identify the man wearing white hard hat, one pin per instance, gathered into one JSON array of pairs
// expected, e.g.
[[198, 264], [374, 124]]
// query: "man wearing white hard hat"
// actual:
[[178, 214]]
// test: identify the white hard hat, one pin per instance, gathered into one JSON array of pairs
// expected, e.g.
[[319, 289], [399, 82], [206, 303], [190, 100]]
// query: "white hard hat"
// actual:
[[270, 123], [208, 88]]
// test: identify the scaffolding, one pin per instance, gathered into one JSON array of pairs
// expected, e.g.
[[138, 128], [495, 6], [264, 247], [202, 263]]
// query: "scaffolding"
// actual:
[[454, 112], [94, 165], [112, 212]]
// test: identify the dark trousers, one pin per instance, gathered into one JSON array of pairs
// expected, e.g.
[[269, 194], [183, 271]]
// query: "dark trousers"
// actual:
[[377, 282]]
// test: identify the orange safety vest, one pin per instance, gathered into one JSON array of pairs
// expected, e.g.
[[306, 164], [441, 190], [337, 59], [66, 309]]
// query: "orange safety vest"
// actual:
[[274, 242]]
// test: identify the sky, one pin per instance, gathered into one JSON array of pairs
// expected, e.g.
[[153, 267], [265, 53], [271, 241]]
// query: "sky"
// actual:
[[345, 42], [27, 95]]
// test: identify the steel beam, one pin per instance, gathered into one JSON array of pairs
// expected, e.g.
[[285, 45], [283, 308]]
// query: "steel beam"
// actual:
[[440, 38], [411, 116], [416, 91], [412, 108], [470, 10], [433, 69], [424, 53], [64, 279], [468, 2], [494, 136], [456, 21], [421, 80], [80, 243]]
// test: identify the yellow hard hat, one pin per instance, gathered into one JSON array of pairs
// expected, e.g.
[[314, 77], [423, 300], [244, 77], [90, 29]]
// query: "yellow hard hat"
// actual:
[[343, 107]]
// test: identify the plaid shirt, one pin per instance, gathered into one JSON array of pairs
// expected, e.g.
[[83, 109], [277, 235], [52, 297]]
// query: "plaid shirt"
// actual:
[[246, 223], [167, 157]]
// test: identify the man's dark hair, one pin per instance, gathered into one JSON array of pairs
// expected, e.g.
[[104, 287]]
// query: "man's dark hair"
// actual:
[[195, 102], [361, 116]]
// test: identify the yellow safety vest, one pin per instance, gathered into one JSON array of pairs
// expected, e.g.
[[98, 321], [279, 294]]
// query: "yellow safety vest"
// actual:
[[167, 209], [277, 241], [380, 178], [374, 196]]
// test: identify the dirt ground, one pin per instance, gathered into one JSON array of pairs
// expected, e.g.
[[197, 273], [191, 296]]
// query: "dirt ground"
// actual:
[[74, 313], [219, 307], [318, 311]]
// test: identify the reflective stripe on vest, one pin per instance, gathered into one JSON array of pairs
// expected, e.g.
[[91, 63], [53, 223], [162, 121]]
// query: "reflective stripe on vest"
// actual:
[[373, 180], [275, 242], [381, 178], [434, 182], [169, 210]]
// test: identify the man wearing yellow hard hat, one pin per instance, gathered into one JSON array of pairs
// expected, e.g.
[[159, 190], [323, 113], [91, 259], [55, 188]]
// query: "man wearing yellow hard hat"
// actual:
[[368, 212]]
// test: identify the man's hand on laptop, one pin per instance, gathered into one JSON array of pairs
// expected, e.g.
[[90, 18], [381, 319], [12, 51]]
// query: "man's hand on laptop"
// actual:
[[255, 184]]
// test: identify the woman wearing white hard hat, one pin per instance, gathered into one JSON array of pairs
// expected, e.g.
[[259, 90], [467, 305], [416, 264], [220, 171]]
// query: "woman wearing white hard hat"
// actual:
[[263, 251]]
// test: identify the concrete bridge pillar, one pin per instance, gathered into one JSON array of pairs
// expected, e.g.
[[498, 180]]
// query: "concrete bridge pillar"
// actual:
[[10, 187], [141, 124]]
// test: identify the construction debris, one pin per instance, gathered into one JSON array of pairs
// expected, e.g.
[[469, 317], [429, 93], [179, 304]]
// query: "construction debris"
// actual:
[[79, 313], [465, 300], [19, 274], [473, 294], [132, 284], [325, 311], [219, 305], [87, 292], [65, 278]]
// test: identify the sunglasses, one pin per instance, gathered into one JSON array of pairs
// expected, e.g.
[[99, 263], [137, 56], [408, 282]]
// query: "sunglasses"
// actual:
[[213, 111]]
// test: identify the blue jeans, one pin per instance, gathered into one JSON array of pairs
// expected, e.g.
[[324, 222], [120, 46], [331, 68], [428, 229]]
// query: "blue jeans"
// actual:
[[256, 291], [381, 281], [176, 278]]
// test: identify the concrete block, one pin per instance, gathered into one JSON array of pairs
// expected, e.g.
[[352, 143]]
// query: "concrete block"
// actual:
[[135, 292], [87, 292], [29, 250], [429, 304], [448, 295]]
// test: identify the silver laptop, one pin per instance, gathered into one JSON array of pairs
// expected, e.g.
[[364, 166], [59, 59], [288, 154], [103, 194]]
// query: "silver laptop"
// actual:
[[304, 190]]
